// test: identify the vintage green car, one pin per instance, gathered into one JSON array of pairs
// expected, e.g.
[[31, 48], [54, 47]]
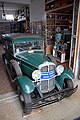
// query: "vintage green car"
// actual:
[[38, 78]]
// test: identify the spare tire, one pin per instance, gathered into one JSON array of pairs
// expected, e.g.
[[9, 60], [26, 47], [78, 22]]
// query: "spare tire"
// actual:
[[15, 69]]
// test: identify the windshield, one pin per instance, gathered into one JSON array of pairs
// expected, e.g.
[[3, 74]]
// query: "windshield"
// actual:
[[30, 45]]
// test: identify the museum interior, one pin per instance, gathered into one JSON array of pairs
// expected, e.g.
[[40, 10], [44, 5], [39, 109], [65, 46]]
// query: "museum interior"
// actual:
[[58, 23]]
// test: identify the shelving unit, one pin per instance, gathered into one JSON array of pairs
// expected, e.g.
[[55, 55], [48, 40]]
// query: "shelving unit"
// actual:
[[58, 15], [54, 5], [54, 20], [23, 19], [14, 27], [4, 27]]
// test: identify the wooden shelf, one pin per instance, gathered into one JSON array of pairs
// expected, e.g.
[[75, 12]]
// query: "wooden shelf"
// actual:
[[60, 8], [56, 25], [53, 23], [49, 1], [57, 17], [5, 27]]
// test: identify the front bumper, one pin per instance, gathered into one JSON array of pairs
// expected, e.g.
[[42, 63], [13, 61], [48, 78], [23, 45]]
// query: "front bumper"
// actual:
[[52, 98]]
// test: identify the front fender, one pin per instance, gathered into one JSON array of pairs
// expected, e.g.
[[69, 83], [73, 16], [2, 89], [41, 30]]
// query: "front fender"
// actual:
[[26, 85], [66, 74]]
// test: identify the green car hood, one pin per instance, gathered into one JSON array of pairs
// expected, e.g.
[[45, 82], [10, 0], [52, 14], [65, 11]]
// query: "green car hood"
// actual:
[[35, 58]]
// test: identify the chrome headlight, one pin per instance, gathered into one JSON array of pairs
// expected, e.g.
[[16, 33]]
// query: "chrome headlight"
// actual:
[[36, 75], [59, 69]]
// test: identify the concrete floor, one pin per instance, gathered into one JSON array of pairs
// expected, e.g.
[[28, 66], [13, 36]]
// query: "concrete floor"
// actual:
[[5, 86], [67, 109]]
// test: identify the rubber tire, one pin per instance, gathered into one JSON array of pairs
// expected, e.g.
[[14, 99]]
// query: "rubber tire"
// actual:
[[14, 64], [68, 83], [26, 101]]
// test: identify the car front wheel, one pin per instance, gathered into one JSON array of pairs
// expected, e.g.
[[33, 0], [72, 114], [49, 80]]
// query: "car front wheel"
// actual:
[[68, 83], [26, 101]]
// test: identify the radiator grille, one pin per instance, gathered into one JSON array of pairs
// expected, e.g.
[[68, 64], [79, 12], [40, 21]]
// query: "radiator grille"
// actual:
[[47, 78]]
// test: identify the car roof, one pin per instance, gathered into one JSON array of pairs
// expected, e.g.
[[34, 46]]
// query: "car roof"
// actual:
[[21, 37]]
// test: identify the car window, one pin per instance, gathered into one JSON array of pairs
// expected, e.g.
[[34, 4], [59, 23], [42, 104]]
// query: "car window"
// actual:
[[33, 45]]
